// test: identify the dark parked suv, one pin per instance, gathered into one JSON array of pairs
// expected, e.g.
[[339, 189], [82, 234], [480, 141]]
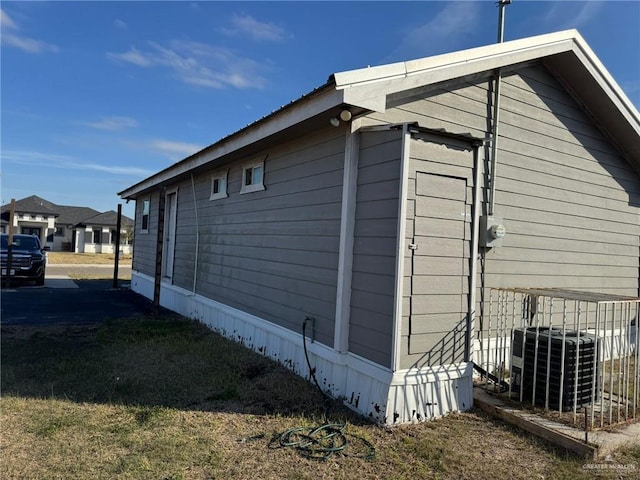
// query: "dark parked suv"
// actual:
[[28, 257]]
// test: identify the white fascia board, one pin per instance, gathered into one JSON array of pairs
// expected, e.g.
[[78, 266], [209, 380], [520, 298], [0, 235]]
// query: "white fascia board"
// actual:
[[608, 84], [394, 71], [277, 122], [368, 87]]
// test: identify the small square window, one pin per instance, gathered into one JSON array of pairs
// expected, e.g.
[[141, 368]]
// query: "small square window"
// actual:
[[253, 177], [219, 186]]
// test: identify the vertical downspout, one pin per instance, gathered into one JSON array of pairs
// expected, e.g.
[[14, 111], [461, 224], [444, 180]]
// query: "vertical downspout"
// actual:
[[195, 208], [402, 226], [473, 270], [496, 115]]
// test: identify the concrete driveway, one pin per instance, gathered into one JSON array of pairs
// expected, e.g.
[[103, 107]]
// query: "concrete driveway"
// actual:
[[65, 301]]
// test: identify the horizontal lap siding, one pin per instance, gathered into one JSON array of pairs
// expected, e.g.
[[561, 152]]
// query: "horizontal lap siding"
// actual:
[[436, 275], [374, 250], [457, 109], [272, 253], [144, 244], [570, 202]]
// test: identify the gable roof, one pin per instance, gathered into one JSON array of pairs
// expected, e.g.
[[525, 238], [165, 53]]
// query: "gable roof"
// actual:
[[565, 54]]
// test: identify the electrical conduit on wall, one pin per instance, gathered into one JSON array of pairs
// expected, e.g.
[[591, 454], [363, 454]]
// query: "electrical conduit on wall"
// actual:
[[195, 208]]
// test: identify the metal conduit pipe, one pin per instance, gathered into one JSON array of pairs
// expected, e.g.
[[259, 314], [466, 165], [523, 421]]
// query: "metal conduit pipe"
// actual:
[[494, 143], [195, 208], [496, 115]]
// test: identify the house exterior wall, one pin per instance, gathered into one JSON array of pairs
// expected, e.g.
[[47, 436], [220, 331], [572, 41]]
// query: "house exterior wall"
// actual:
[[254, 266], [62, 241], [24, 222], [144, 241], [271, 253], [570, 202], [374, 248], [85, 240], [435, 299]]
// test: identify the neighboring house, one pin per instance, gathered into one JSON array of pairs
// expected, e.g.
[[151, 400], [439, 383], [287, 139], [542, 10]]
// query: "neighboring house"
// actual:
[[68, 228], [374, 206]]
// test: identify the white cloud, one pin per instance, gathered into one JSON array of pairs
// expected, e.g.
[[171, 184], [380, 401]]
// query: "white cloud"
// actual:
[[246, 25], [564, 15], [51, 160], [11, 38], [114, 169], [6, 22], [133, 56], [113, 123], [446, 29], [172, 148], [121, 24], [198, 64]]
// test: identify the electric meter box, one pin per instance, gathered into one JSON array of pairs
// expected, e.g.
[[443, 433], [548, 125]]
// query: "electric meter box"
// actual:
[[492, 231]]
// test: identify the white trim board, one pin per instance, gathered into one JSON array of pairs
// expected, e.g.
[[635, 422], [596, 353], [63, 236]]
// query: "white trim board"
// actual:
[[374, 391]]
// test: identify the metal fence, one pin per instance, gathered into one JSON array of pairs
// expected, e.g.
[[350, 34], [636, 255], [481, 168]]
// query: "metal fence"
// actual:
[[574, 353]]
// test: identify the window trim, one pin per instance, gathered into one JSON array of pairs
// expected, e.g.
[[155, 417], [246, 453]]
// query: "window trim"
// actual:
[[222, 193], [145, 203], [252, 187]]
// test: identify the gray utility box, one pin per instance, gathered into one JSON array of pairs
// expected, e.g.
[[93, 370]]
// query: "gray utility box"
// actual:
[[492, 231]]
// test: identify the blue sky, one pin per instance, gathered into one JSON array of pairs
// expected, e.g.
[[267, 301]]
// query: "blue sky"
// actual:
[[96, 96]]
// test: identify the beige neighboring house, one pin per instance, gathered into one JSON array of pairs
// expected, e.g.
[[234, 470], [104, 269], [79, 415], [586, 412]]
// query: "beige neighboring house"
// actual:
[[66, 228]]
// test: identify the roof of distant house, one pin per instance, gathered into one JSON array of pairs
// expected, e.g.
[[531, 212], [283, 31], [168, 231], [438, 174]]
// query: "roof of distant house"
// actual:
[[108, 218], [73, 215], [32, 204], [66, 215]]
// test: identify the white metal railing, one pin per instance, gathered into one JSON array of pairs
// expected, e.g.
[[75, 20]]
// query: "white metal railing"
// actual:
[[563, 351]]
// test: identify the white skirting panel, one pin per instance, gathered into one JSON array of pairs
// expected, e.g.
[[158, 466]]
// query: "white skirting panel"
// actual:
[[370, 389]]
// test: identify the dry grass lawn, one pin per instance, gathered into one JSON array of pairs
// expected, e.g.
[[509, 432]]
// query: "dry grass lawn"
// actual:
[[86, 258], [166, 398]]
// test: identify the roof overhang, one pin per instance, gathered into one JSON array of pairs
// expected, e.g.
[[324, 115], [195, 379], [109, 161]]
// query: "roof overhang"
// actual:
[[321, 102], [565, 53]]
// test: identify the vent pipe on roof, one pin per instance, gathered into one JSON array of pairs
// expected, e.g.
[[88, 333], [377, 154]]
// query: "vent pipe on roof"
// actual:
[[496, 114]]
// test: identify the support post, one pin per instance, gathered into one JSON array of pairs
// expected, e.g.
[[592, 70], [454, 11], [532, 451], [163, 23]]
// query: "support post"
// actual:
[[117, 257], [12, 214], [159, 244]]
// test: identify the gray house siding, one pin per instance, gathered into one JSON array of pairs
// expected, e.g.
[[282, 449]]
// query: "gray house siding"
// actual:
[[436, 274], [272, 253], [370, 227], [569, 201], [375, 245], [144, 251]]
